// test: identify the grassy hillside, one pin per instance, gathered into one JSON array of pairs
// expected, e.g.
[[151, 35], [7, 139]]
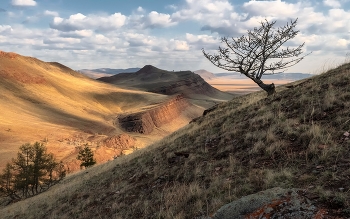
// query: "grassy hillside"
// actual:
[[298, 138], [49, 102]]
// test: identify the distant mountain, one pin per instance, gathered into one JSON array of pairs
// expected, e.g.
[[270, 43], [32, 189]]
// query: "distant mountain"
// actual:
[[152, 79], [103, 72], [285, 76], [247, 145], [206, 75], [289, 76], [48, 100]]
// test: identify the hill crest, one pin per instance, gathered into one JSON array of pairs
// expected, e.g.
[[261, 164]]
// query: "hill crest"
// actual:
[[298, 138], [187, 83], [10, 55], [148, 69], [206, 75], [50, 102]]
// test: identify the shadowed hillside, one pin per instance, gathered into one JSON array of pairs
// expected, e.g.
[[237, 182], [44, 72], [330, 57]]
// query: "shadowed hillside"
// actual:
[[155, 80], [105, 72], [49, 102], [298, 138]]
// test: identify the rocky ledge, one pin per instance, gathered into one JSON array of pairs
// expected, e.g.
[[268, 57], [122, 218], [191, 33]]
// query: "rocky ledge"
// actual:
[[276, 203], [144, 122]]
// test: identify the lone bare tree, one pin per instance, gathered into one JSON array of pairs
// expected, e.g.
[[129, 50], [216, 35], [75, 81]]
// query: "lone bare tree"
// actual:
[[259, 53]]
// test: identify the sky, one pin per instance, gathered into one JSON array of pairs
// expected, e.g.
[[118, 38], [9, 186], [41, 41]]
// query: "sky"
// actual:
[[169, 34]]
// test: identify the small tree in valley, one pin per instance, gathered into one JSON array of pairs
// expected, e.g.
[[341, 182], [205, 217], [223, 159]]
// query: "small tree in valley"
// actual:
[[33, 171], [86, 157], [259, 53]]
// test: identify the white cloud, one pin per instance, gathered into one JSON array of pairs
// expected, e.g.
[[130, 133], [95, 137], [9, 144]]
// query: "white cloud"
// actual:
[[77, 34], [51, 13], [141, 20], [23, 2], [180, 45], [172, 7], [213, 15], [5, 29], [156, 19], [138, 39], [202, 41], [271, 8], [140, 9], [117, 40], [332, 3], [98, 39], [59, 40], [191, 38], [203, 10], [342, 43], [30, 19], [80, 22]]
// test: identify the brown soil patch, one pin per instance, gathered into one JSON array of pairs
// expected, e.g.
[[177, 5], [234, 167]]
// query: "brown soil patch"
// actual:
[[20, 76], [10, 55]]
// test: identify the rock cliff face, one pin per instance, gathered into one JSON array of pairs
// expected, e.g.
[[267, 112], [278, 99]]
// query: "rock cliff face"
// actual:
[[144, 122]]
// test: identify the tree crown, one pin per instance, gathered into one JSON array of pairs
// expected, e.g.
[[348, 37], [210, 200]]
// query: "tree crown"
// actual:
[[260, 51]]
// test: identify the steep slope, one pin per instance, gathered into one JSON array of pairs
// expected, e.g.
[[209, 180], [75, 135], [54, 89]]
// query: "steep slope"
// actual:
[[187, 83], [49, 102], [298, 138]]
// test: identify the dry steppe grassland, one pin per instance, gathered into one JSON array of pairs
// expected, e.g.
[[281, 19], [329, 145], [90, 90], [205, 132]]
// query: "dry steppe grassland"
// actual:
[[52, 104], [297, 138]]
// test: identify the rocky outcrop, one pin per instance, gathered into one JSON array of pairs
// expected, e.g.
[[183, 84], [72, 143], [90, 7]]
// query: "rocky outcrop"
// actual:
[[144, 122], [271, 203], [122, 141], [119, 143]]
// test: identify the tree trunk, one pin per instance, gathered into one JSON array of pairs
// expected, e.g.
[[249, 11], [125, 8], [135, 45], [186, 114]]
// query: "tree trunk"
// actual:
[[270, 89]]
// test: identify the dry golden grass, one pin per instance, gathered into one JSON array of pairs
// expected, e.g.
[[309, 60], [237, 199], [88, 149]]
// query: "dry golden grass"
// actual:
[[50, 103], [292, 139]]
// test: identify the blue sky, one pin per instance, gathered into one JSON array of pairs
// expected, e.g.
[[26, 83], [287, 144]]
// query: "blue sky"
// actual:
[[168, 34]]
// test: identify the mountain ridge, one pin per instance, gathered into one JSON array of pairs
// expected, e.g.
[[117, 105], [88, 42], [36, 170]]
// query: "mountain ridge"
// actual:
[[50, 102], [298, 138], [153, 79]]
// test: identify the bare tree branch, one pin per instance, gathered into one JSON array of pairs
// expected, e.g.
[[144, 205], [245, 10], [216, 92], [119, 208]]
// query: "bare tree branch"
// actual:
[[260, 52]]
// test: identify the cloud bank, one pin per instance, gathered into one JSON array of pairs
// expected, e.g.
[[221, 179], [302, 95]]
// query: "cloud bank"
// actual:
[[121, 40], [23, 3]]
